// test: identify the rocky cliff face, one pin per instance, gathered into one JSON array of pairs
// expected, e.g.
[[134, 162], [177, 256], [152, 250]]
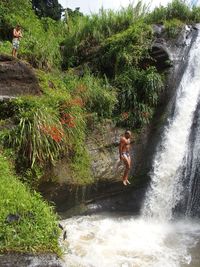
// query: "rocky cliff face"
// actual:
[[16, 78]]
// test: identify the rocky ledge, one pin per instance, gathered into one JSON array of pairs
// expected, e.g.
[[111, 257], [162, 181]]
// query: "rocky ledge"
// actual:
[[16, 78]]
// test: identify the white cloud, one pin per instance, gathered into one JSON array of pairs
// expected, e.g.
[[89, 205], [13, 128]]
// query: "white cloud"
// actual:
[[86, 6], [115, 4]]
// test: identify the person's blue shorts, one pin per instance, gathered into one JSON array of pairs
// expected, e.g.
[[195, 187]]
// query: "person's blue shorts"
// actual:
[[15, 43]]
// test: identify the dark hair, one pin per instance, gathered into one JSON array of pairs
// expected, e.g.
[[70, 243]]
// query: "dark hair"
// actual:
[[128, 132]]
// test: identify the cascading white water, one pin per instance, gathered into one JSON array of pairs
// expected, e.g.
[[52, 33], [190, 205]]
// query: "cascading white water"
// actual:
[[151, 240], [165, 190]]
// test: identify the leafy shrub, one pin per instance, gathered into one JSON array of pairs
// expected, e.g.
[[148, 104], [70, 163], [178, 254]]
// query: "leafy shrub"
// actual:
[[177, 9], [97, 94], [195, 17], [126, 49], [5, 47], [138, 92], [43, 130], [38, 135], [158, 15]]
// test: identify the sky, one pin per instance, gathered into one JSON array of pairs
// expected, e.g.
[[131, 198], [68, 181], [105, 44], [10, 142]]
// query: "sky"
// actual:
[[92, 6]]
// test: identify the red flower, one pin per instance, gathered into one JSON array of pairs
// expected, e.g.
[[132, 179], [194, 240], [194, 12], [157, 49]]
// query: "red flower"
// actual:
[[68, 120], [145, 114], [125, 115], [55, 133]]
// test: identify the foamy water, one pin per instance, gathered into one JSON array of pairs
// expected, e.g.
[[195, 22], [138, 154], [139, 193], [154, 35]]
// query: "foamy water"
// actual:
[[99, 241]]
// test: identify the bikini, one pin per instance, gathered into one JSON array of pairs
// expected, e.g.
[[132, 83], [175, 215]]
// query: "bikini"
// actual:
[[127, 154]]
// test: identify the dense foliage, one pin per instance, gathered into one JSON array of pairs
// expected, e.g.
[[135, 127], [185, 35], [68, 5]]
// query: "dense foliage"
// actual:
[[87, 33], [177, 9], [27, 223], [138, 95]]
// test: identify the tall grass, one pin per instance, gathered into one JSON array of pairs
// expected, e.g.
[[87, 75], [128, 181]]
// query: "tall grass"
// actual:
[[90, 31], [177, 9]]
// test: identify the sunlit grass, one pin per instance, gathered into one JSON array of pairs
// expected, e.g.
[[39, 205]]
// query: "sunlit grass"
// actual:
[[27, 223]]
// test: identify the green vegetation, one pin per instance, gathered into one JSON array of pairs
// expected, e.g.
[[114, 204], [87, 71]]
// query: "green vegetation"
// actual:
[[27, 223], [87, 33], [177, 9], [173, 27], [138, 95], [40, 44], [126, 49], [91, 69], [53, 125]]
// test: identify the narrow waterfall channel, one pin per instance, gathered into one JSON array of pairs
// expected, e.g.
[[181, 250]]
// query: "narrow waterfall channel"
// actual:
[[156, 238]]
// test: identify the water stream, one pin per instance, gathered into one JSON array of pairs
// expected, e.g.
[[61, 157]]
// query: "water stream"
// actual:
[[157, 238]]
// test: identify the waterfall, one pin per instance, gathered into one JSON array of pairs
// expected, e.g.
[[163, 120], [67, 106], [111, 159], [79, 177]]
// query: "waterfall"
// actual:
[[166, 186], [190, 204]]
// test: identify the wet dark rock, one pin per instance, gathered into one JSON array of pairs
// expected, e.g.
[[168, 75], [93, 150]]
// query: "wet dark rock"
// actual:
[[190, 174], [64, 235], [64, 231], [13, 218], [166, 51], [60, 226], [158, 29], [25, 260]]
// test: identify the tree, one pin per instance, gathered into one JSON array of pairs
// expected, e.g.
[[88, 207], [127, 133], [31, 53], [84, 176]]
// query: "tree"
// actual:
[[48, 8]]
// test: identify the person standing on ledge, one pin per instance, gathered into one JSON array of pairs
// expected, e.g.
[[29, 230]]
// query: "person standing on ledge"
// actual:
[[124, 148], [17, 34]]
